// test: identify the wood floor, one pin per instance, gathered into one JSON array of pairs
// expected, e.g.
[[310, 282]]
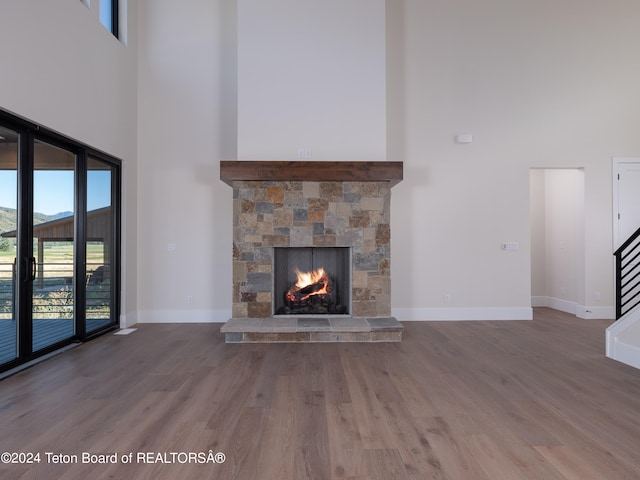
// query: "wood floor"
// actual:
[[454, 400]]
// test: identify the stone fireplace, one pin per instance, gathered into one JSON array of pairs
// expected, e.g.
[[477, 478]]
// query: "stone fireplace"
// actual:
[[311, 216]]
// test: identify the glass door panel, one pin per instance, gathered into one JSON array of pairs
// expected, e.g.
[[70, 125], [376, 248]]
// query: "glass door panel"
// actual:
[[53, 294], [59, 242], [8, 232], [100, 246]]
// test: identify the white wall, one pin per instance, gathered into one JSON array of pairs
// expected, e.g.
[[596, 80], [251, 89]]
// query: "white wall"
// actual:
[[61, 68], [195, 111], [187, 117], [538, 84], [537, 210], [311, 75]]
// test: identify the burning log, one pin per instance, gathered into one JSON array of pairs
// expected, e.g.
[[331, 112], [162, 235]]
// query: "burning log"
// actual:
[[312, 293], [313, 288], [308, 284]]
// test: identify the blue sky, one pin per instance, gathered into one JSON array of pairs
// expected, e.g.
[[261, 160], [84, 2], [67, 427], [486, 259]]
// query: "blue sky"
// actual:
[[54, 190]]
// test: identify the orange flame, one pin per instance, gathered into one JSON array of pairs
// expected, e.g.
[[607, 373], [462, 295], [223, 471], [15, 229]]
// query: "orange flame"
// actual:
[[309, 278], [305, 279]]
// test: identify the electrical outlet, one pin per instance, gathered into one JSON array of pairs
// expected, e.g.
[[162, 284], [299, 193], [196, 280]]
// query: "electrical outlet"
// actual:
[[171, 247], [307, 153], [447, 298], [189, 299], [301, 152], [597, 296]]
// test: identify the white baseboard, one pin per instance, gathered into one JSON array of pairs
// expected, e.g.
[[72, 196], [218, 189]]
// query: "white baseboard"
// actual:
[[462, 314], [128, 319], [593, 313], [555, 303], [402, 314], [622, 339], [580, 311], [627, 354], [184, 316]]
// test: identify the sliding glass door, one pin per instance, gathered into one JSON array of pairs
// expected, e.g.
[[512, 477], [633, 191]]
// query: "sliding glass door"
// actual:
[[53, 242], [8, 227], [59, 242], [100, 246]]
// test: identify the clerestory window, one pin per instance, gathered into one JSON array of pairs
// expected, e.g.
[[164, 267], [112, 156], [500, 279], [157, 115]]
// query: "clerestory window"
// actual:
[[109, 15]]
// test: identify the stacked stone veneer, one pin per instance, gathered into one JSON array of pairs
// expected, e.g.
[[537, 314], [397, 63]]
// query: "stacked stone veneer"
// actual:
[[268, 214]]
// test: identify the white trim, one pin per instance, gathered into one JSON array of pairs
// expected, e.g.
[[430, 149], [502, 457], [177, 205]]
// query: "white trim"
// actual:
[[462, 314], [627, 354], [128, 319], [625, 350], [555, 303], [184, 316], [617, 328], [590, 312], [586, 312], [125, 331], [402, 314], [539, 301], [123, 22], [615, 169]]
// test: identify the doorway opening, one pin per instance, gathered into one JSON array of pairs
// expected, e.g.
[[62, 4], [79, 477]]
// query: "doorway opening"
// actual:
[[557, 239]]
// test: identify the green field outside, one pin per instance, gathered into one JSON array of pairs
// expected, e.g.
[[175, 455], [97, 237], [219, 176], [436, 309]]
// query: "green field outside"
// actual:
[[53, 297], [58, 257]]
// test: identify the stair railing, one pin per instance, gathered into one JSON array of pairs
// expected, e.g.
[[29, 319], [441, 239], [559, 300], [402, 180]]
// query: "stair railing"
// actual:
[[628, 275]]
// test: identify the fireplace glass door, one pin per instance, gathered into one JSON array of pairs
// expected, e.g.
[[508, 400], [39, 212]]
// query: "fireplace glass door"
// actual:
[[312, 281]]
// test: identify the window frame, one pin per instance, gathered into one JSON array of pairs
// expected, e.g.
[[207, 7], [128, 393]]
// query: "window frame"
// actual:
[[114, 27], [30, 132]]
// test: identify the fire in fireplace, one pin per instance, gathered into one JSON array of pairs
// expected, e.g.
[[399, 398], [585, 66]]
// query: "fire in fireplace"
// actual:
[[319, 284], [313, 292], [307, 285]]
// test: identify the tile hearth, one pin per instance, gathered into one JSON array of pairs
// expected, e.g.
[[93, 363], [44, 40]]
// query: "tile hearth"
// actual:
[[312, 330]]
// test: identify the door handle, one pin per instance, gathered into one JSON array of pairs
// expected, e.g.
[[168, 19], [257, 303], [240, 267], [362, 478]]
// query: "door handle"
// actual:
[[29, 269], [34, 267]]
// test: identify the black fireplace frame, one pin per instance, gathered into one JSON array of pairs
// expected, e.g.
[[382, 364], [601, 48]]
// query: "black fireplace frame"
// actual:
[[336, 262]]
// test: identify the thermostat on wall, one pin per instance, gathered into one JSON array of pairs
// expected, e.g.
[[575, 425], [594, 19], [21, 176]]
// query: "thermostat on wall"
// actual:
[[464, 138]]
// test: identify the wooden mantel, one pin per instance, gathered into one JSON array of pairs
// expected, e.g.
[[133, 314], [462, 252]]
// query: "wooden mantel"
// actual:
[[312, 171]]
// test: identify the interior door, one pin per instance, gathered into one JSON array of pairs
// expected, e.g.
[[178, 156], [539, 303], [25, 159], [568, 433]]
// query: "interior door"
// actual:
[[626, 198]]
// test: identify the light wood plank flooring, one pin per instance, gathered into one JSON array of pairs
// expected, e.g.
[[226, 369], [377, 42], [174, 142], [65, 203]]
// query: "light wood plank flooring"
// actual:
[[453, 400]]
